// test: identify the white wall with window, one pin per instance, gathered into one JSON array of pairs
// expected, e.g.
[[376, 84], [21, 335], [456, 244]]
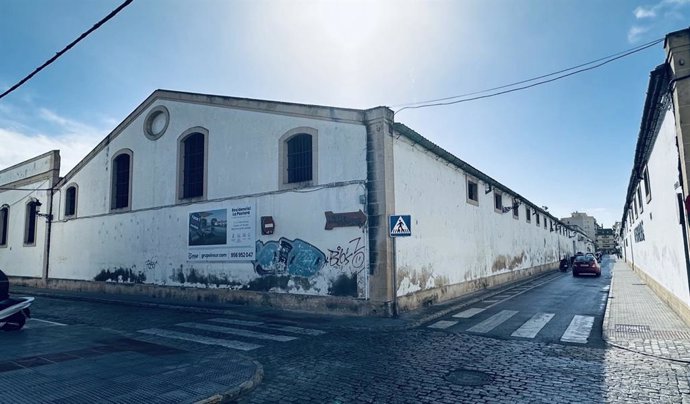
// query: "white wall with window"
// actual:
[[464, 230], [180, 153], [24, 194], [654, 235]]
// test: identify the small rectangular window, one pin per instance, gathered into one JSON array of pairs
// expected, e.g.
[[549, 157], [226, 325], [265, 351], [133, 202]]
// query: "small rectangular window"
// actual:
[[528, 214], [498, 202], [647, 189], [639, 199], [536, 216], [635, 206], [516, 211], [545, 220], [472, 194]]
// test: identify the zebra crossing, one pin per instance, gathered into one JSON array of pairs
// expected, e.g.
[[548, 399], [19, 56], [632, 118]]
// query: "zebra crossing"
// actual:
[[578, 331], [231, 333]]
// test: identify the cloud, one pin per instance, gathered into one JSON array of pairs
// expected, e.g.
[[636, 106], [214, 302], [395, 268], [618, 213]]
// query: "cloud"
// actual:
[[635, 32], [668, 9], [641, 12], [21, 141]]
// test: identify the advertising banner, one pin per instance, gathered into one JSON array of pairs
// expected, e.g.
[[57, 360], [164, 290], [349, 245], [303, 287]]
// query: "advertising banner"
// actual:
[[222, 234]]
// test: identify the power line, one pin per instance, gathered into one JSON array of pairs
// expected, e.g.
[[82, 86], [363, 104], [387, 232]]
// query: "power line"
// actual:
[[603, 61], [68, 47]]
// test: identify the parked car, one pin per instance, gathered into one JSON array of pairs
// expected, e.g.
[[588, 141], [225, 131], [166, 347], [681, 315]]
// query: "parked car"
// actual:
[[586, 264]]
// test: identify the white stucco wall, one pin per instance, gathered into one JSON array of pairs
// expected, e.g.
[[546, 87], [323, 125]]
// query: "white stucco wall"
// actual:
[[661, 255], [454, 241], [151, 240], [30, 180], [15, 257]]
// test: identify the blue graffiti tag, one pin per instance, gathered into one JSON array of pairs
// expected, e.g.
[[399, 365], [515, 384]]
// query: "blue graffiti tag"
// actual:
[[293, 257]]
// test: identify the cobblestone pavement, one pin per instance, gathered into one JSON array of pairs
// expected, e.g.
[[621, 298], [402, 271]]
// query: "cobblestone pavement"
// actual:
[[420, 366]]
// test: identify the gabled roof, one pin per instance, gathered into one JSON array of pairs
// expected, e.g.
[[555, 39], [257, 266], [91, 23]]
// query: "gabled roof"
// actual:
[[345, 115]]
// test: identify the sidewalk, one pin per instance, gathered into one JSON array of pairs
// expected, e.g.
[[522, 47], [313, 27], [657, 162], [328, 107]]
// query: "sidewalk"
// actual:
[[637, 319]]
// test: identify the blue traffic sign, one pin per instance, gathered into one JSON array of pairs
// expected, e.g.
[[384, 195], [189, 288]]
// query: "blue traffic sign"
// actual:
[[400, 225]]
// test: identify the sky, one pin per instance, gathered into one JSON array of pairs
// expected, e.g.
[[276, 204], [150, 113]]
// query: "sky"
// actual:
[[568, 145]]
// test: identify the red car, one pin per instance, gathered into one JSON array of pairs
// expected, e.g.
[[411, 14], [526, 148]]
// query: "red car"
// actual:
[[586, 264]]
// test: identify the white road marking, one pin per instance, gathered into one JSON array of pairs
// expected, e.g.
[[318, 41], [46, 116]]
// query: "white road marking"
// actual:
[[237, 331], [606, 289], [491, 301], [236, 322], [493, 321], [468, 313], [532, 327], [242, 346], [578, 330], [443, 324], [278, 327], [46, 321]]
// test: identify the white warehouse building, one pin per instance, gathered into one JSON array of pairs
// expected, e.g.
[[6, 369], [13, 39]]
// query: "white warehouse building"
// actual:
[[224, 199], [654, 230]]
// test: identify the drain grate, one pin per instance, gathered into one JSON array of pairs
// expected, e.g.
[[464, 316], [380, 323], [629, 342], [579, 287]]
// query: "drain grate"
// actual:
[[632, 328], [467, 377]]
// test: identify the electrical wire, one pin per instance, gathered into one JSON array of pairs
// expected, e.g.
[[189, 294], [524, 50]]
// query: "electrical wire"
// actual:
[[600, 62], [68, 47]]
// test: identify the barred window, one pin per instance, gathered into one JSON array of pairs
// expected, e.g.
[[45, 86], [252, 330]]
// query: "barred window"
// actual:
[[121, 181], [299, 158], [193, 163]]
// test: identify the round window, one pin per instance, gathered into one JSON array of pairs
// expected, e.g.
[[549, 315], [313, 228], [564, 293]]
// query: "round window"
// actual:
[[156, 122]]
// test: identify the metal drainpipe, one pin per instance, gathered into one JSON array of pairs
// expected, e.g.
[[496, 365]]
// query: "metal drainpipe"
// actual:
[[49, 221], [683, 223]]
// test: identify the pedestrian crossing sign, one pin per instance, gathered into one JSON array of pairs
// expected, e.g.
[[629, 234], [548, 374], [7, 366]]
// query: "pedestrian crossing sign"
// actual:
[[400, 225]]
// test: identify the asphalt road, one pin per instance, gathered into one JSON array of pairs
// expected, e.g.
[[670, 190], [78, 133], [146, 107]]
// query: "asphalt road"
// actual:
[[560, 309]]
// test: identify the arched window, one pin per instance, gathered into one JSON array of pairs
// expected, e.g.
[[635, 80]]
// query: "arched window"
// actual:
[[192, 151], [121, 189], [30, 222], [71, 201], [4, 222], [298, 157]]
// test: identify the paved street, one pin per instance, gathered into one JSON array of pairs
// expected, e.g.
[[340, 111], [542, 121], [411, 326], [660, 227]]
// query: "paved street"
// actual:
[[558, 308], [82, 351]]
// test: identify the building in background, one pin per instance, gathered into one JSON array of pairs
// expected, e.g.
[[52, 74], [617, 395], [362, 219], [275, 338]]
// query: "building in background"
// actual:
[[654, 223], [227, 199], [587, 223], [606, 240], [617, 227]]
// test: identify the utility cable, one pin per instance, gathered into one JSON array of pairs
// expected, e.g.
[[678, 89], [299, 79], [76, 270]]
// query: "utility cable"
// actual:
[[68, 47], [600, 62]]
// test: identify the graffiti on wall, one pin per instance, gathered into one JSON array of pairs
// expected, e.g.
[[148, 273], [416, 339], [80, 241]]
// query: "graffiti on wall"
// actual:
[[293, 257], [352, 254]]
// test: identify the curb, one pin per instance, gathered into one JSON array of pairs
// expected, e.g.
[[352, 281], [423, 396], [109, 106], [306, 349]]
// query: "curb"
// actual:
[[133, 303], [607, 318], [236, 392]]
